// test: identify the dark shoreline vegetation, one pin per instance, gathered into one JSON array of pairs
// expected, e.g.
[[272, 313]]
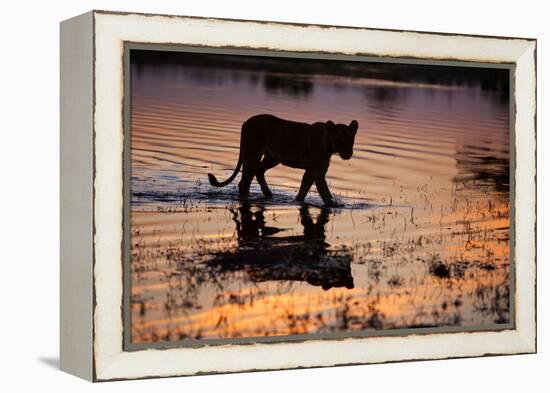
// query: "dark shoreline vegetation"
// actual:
[[294, 75]]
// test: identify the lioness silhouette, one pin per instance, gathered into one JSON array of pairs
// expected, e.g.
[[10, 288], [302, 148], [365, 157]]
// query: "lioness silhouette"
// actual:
[[297, 145]]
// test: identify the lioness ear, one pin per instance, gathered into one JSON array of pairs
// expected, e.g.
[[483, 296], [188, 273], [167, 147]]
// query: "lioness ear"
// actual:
[[354, 125], [330, 127]]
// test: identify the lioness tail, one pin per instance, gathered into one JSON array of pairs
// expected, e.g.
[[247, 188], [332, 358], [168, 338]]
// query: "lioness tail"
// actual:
[[216, 183]]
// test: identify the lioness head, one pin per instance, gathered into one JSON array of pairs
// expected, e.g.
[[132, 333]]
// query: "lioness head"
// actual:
[[342, 138]]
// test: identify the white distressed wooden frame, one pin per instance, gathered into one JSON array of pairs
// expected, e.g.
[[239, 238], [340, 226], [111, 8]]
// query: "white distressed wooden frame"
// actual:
[[92, 90]]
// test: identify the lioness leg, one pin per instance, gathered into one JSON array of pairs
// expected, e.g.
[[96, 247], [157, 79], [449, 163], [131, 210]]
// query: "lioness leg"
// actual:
[[322, 188], [244, 184], [267, 163], [307, 181], [250, 165]]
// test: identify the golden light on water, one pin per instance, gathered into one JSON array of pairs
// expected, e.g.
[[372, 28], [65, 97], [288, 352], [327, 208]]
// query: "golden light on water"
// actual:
[[421, 241]]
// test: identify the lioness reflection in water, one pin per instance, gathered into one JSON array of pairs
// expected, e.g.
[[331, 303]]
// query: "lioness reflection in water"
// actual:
[[266, 256], [267, 141]]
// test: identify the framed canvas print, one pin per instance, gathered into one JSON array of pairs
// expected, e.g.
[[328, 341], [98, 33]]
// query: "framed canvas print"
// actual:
[[244, 195]]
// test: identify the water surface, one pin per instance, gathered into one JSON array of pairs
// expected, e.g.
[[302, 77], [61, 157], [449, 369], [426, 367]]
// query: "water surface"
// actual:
[[422, 235]]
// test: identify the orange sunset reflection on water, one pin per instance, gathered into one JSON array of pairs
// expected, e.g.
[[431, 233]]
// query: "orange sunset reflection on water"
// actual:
[[422, 236]]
